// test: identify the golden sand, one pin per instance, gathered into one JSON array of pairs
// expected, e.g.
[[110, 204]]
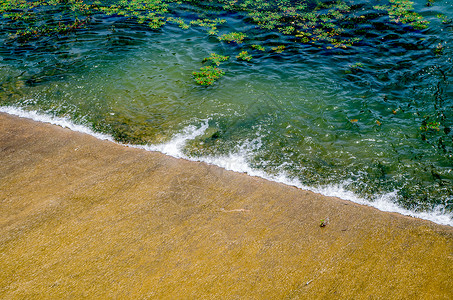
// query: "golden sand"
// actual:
[[84, 218]]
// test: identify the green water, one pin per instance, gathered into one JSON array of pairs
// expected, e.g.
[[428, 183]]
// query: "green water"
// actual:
[[307, 112]]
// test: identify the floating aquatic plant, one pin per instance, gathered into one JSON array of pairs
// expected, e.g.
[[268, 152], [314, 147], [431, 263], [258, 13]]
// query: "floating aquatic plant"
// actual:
[[430, 126], [215, 59], [237, 37], [321, 22], [444, 19], [179, 21], [211, 25], [278, 49], [258, 47], [244, 55], [354, 68], [207, 75], [401, 11]]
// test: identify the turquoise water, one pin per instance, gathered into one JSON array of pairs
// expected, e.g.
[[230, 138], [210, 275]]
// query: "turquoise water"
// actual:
[[306, 115]]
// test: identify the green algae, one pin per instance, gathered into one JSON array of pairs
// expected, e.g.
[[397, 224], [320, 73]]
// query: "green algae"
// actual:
[[323, 21], [236, 37], [208, 75], [401, 11], [258, 47], [320, 23], [215, 59], [209, 24], [244, 55]]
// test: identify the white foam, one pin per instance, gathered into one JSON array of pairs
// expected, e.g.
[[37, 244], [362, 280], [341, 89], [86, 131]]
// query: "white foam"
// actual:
[[175, 146], [63, 122], [238, 161]]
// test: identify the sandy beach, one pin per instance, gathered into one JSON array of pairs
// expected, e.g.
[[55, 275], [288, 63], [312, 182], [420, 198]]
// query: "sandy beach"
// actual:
[[86, 218]]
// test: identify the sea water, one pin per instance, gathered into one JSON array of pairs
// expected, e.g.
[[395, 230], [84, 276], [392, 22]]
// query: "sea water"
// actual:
[[352, 123]]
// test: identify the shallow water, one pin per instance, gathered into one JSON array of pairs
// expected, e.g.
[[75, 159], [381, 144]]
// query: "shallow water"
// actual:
[[303, 116]]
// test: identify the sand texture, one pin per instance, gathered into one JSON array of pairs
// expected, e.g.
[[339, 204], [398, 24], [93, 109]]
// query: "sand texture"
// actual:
[[84, 218]]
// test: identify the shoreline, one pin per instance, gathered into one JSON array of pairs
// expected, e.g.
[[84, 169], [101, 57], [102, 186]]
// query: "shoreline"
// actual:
[[83, 217], [171, 149]]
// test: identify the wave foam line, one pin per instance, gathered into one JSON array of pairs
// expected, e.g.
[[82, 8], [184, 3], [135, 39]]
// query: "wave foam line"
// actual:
[[63, 122], [237, 162]]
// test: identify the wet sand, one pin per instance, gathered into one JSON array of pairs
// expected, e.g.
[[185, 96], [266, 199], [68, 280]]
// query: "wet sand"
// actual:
[[84, 218]]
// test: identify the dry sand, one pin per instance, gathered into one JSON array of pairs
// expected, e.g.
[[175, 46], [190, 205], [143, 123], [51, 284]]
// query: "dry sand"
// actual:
[[84, 218]]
